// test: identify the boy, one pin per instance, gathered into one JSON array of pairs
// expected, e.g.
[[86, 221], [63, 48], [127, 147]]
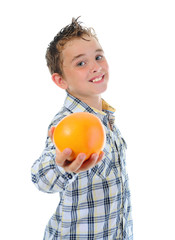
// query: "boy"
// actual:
[[94, 194]]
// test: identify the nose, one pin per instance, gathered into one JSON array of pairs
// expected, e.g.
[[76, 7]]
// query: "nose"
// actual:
[[95, 67]]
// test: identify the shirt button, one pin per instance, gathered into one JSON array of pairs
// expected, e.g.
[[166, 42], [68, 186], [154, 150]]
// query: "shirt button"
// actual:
[[69, 176]]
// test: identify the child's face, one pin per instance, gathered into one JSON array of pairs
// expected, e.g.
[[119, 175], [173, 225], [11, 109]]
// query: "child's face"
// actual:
[[85, 69]]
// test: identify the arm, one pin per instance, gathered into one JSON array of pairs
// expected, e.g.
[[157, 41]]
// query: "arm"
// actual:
[[46, 174], [53, 171]]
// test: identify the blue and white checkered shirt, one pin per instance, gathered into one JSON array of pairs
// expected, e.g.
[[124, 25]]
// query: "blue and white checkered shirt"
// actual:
[[94, 204]]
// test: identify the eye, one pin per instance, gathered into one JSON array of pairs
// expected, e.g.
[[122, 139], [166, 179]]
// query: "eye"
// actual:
[[99, 57], [80, 64]]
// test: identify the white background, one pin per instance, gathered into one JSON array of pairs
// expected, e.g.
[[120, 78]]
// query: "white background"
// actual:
[[139, 41]]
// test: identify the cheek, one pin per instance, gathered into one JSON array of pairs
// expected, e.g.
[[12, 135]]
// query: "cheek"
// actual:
[[106, 66], [82, 75]]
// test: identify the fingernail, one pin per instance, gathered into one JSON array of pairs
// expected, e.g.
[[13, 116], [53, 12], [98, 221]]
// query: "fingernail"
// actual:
[[67, 151], [82, 157], [95, 156]]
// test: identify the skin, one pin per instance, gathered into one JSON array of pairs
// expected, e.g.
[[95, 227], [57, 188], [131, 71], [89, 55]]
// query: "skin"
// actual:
[[83, 61]]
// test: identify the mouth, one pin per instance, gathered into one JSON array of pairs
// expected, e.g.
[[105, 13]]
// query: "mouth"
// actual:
[[97, 79]]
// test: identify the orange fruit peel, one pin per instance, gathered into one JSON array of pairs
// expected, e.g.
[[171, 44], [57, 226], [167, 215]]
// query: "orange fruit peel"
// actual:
[[82, 132]]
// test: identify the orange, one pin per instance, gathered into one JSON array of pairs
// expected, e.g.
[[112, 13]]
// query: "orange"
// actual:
[[83, 132]]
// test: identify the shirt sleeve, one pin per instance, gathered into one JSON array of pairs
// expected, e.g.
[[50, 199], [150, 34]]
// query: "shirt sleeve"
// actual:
[[47, 175]]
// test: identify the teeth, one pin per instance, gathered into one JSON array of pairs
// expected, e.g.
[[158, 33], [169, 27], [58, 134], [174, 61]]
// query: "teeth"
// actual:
[[97, 79]]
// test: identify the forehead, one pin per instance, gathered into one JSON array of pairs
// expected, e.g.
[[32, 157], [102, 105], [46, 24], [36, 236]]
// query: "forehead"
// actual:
[[80, 46]]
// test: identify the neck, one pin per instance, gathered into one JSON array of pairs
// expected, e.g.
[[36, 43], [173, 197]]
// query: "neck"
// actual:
[[93, 101]]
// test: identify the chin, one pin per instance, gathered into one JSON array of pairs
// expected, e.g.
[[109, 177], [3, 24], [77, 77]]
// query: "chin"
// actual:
[[103, 89]]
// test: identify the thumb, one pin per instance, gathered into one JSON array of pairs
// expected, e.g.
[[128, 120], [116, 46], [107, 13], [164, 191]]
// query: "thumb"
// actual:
[[50, 133]]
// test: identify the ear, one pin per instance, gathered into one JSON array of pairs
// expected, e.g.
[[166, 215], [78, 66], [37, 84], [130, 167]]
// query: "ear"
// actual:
[[59, 81]]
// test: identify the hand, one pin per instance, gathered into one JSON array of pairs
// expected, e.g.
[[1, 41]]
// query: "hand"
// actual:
[[77, 165]]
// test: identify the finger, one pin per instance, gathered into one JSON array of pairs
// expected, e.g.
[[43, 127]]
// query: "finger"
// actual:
[[100, 157], [63, 156], [89, 163], [76, 164], [50, 133]]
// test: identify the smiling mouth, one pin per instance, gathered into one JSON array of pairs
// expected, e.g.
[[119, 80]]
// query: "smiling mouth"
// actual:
[[98, 79]]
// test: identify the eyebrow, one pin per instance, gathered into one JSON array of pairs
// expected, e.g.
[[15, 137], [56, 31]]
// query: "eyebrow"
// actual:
[[81, 55]]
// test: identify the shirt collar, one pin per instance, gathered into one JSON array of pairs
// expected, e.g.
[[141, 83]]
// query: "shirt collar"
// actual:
[[74, 104]]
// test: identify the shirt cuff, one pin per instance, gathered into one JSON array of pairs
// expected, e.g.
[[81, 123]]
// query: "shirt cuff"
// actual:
[[65, 178]]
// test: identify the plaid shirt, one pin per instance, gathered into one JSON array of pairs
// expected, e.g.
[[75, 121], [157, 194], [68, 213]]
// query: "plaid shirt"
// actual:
[[94, 204]]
